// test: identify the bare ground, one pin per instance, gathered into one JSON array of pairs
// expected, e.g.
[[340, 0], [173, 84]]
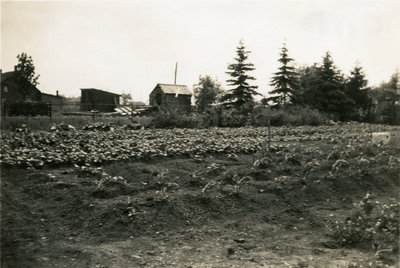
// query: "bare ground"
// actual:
[[64, 218]]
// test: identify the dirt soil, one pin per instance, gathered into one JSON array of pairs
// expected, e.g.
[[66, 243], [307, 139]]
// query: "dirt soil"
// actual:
[[183, 212]]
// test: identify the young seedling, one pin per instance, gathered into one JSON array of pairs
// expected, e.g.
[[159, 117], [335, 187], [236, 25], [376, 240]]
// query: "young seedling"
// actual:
[[209, 185], [246, 180]]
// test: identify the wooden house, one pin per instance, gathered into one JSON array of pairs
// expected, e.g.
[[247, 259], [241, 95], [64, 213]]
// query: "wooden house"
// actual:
[[13, 90], [173, 97], [100, 100]]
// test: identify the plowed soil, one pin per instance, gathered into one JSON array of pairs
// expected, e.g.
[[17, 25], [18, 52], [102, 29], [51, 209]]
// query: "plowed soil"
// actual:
[[209, 211]]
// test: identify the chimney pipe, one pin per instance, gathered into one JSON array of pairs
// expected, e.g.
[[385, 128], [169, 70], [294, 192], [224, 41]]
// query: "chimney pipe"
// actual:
[[176, 70], [57, 93]]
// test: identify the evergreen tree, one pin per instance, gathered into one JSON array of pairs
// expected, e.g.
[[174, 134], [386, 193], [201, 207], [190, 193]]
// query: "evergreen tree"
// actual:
[[206, 92], [388, 97], [330, 94], [242, 95], [357, 91], [308, 81], [322, 86], [285, 81]]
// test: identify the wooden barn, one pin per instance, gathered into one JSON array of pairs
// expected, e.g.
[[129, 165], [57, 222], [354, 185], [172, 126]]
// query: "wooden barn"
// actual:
[[174, 97], [53, 99], [57, 101], [100, 100], [12, 90]]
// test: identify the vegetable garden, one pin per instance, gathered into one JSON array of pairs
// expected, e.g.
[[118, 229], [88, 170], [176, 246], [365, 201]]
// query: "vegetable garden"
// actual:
[[108, 196]]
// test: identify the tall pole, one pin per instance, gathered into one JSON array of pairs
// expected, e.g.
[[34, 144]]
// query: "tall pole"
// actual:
[[176, 70]]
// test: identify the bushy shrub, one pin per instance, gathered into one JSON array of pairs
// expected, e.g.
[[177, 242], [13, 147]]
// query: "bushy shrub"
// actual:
[[290, 116], [220, 116], [175, 119], [144, 121], [372, 224], [232, 118], [212, 116]]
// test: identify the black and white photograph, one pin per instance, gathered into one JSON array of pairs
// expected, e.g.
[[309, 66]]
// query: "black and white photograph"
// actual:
[[200, 133]]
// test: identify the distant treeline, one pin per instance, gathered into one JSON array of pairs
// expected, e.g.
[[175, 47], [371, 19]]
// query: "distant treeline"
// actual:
[[321, 87]]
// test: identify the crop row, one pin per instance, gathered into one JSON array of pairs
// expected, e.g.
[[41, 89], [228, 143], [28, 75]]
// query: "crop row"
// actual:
[[68, 147]]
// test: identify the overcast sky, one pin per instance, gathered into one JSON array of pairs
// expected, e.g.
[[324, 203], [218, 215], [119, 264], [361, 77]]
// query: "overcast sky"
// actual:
[[130, 46]]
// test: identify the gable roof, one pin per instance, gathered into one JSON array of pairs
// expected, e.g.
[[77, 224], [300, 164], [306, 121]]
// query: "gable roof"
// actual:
[[175, 89], [50, 95], [6, 75], [99, 90]]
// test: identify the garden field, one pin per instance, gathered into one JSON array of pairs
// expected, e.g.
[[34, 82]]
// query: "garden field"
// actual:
[[115, 196]]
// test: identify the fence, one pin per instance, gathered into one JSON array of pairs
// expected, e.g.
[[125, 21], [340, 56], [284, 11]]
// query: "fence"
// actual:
[[26, 109], [41, 116]]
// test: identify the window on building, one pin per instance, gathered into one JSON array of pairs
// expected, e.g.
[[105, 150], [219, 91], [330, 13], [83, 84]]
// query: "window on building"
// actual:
[[5, 89]]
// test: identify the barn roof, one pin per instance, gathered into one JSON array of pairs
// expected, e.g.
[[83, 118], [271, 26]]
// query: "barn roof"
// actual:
[[99, 90], [51, 95], [175, 89]]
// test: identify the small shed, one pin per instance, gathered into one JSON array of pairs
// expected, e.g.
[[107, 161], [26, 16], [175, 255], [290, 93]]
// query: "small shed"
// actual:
[[174, 97], [96, 99]]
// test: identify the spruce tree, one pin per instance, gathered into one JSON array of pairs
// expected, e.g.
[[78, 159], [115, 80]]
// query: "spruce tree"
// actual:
[[308, 80], [330, 94], [284, 81], [242, 95], [392, 89], [357, 91]]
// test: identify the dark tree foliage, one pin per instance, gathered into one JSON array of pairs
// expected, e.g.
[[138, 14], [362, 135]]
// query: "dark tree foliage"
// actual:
[[385, 98], [323, 88], [206, 92], [285, 81], [331, 97], [357, 91], [126, 99], [25, 72], [394, 97], [242, 95], [308, 81]]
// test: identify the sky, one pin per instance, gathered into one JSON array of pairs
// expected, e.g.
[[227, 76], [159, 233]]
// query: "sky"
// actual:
[[130, 46]]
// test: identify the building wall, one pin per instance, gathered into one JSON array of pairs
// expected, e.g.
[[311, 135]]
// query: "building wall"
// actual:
[[157, 98], [170, 101], [11, 92], [98, 100], [57, 102], [180, 102]]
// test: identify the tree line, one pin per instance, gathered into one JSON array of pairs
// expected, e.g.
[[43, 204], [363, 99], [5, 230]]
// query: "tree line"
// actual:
[[321, 86]]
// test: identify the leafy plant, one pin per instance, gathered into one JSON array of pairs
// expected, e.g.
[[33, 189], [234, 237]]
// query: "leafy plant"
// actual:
[[373, 223]]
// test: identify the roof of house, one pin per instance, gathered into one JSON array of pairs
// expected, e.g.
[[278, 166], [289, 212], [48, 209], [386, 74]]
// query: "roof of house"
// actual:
[[6, 75], [175, 89], [50, 95], [99, 90]]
